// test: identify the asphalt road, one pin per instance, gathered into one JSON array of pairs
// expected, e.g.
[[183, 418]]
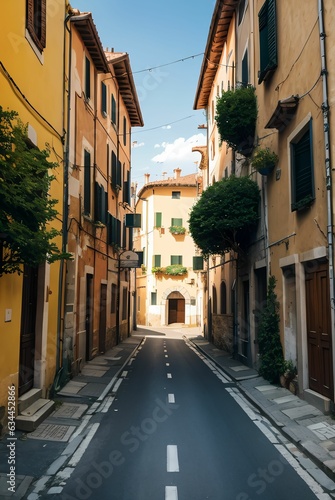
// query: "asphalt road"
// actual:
[[176, 431]]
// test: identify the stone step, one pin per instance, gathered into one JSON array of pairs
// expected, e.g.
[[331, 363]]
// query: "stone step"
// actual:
[[34, 415], [321, 402], [28, 399]]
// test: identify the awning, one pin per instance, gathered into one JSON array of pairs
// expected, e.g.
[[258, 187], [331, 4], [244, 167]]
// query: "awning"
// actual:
[[283, 113]]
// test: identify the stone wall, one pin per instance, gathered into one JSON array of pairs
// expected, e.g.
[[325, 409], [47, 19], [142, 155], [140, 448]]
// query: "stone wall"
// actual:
[[222, 331]]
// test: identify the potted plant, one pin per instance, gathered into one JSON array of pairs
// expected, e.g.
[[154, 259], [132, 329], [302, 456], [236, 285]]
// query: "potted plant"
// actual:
[[176, 270], [177, 230], [236, 115], [264, 160], [288, 374]]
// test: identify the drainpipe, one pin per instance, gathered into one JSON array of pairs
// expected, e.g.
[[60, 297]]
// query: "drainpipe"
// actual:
[[326, 126]]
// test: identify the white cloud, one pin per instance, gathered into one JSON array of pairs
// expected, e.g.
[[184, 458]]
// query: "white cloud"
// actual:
[[157, 146], [179, 151], [167, 127]]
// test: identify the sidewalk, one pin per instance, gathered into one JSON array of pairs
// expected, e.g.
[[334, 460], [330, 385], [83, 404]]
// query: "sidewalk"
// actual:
[[312, 432], [40, 455]]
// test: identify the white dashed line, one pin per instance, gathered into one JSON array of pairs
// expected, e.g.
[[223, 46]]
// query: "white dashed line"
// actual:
[[171, 493], [167, 364], [124, 374], [82, 447], [117, 385], [171, 398], [172, 464], [169, 375]]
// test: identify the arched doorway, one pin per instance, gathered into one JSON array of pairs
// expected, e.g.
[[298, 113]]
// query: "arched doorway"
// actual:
[[176, 308]]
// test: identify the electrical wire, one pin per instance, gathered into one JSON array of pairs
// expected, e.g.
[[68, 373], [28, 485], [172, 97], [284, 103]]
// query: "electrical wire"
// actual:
[[168, 64], [160, 126]]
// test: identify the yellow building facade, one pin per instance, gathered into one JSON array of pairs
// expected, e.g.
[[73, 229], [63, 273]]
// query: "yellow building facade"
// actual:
[[168, 288], [31, 82]]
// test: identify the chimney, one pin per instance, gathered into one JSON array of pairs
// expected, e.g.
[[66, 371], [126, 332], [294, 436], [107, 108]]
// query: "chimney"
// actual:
[[146, 178], [177, 172]]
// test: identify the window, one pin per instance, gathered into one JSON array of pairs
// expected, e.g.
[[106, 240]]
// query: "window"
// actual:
[[114, 230], [223, 298], [156, 260], [87, 182], [176, 222], [124, 302], [153, 298], [198, 263], [100, 204], [103, 99], [113, 111], [124, 130], [176, 195], [113, 299], [176, 259], [302, 172], [267, 39], [158, 219], [245, 69], [116, 172], [36, 22], [87, 78]]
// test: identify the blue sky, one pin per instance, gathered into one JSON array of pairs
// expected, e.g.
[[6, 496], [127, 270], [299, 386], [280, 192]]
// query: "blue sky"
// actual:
[[156, 33]]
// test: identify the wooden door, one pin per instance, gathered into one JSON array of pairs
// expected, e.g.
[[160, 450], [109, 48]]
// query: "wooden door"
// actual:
[[89, 316], [319, 331], [28, 326], [103, 316], [176, 311]]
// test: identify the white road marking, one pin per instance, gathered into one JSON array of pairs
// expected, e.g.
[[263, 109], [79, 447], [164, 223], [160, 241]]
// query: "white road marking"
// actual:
[[172, 464], [117, 385], [171, 493], [171, 398], [131, 361], [169, 375], [84, 422], [106, 404], [166, 356], [124, 374], [82, 447], [165, 350], [167, 364]]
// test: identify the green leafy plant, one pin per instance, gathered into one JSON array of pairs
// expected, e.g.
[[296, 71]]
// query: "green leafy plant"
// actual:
[[272, 364], [177, 229], [175, 270], [26, 208], [225, 214], [264, 160], [236, 115], [157, 270], [304, 203]]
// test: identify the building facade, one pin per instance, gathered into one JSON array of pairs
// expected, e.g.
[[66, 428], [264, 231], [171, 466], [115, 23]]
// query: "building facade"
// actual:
[[168, 289], [31, 71], [103, 108], [294, 86]]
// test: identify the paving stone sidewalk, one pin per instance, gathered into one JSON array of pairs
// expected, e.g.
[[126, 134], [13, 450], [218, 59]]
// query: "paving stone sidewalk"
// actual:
[[311, 431], [40, 454]]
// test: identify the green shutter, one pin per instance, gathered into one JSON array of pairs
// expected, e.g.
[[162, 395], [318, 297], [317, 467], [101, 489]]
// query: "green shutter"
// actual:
[[113, 112], [176, 222], [87, 78], [302, 170], [153, 298], [156, 260], [103, 98], [158, 219], [176, 259], [114, 162], [267, 39], [87, 182], [198, 263], [245, 69]]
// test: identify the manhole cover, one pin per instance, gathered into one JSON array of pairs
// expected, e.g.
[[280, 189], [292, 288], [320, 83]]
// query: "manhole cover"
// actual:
[[68, 410]]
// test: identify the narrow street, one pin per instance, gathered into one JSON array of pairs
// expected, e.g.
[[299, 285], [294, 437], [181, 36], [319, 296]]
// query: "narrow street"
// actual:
[[179, 428]]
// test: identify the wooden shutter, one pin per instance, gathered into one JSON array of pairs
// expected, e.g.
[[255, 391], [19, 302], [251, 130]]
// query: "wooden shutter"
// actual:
[[103, 99], [36, 22], [87, 182], [156, 260], [198, 263], [87, 78], [267, 39], [113, 113], [302, 169], [158, 219]]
